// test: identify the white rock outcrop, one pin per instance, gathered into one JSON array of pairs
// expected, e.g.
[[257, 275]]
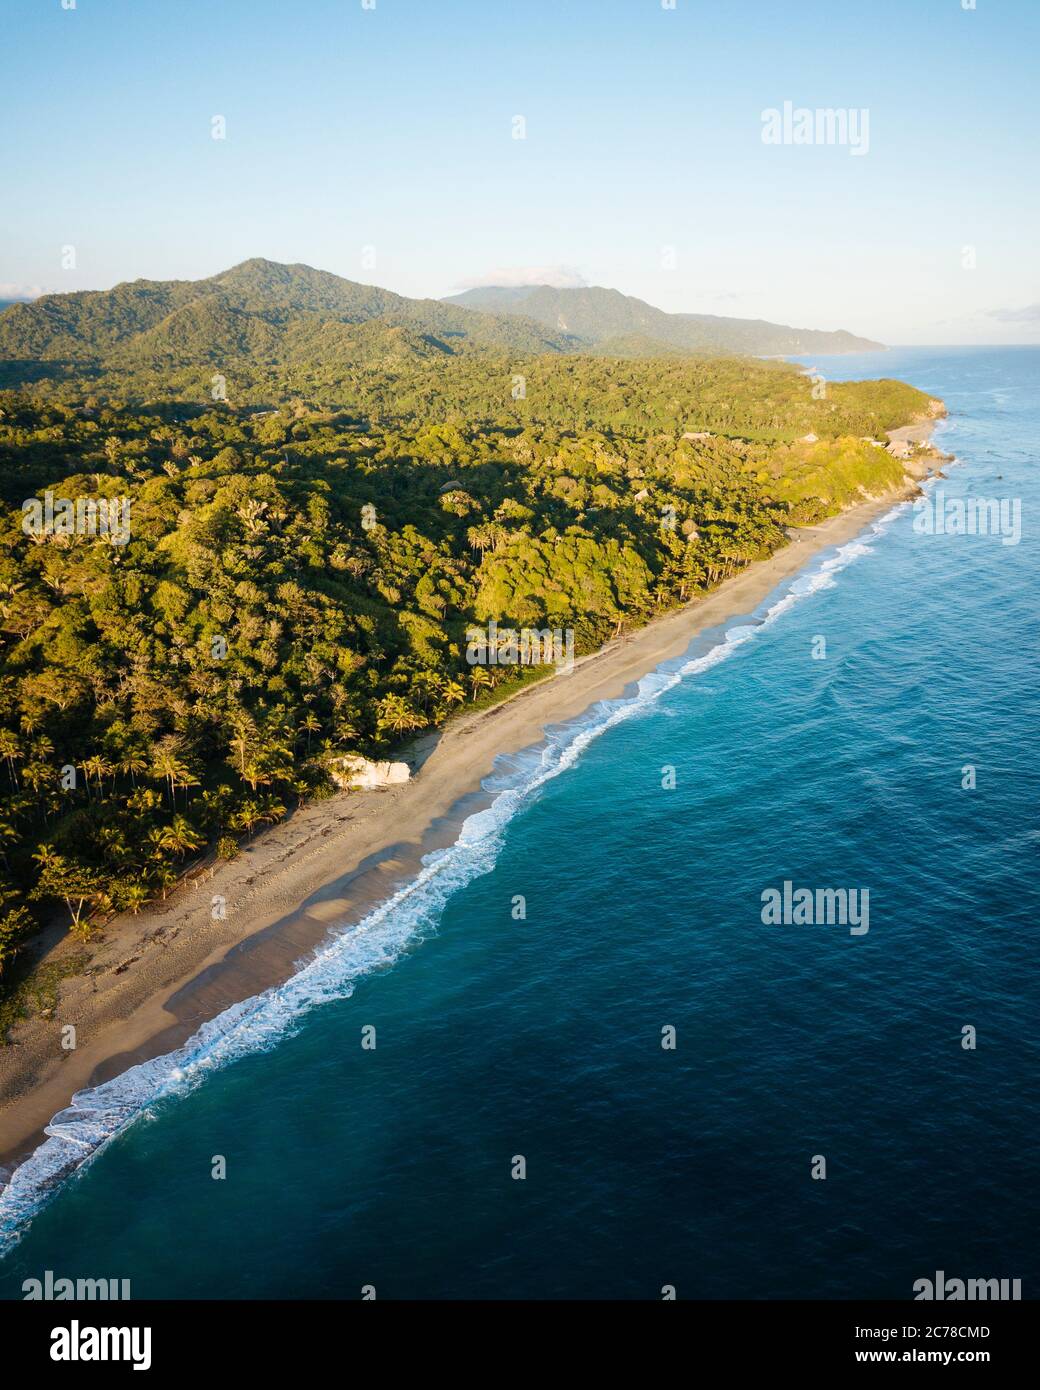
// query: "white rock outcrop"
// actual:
[[353, 772]]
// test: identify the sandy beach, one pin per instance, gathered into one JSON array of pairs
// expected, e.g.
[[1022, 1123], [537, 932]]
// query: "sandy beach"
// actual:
[[153, 979]]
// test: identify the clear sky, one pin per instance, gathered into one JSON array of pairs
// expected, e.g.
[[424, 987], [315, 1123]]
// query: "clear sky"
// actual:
[[643, 168]]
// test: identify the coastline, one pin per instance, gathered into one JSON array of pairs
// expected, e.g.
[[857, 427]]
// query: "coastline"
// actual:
[[154, 979]]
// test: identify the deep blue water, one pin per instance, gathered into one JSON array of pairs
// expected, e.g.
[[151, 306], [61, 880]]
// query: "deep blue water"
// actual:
[[542, 1037]]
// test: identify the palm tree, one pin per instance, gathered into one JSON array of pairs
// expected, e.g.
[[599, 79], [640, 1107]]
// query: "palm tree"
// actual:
[[96, 766], [168, 764], [184, 778], [135, 896], [9, 750], [113, 842], [166, 878], [37, 775], [478, 679], [8, 835], [488, 536], [346, 732], [46, 856], [425, 683], [64, 878], [246, 743], [180, 836], [397, 715], [248, 816], [253, 772], [155, 841], [132, 760], [272, 810]]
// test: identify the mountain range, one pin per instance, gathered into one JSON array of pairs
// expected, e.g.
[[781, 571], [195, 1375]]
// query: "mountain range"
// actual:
[[292, 314], [608, 319]]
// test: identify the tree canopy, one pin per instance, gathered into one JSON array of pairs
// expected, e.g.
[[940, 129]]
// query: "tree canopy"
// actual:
[[299, 577]]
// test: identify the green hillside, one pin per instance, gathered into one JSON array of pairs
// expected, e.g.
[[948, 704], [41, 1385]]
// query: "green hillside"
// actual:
[[258, 310], [263, 314], [600, 315]]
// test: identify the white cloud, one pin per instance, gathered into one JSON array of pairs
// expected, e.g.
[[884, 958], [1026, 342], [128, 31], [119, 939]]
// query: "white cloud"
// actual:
[[10, 290], [561, 277], [1030, 314]]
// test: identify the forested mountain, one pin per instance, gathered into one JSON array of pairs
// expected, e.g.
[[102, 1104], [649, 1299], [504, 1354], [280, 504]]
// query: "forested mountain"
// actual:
[[290, 317], [630, 327], [259, 310]]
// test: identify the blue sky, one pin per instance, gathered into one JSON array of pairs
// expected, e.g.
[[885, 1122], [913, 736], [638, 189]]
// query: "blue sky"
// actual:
[[643, 165]]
